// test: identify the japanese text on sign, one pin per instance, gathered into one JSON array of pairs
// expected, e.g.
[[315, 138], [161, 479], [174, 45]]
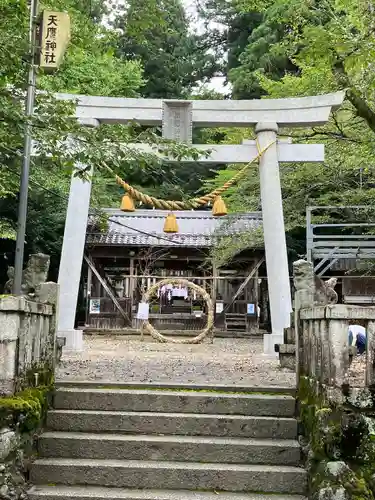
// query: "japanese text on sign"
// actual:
[[55, 35]]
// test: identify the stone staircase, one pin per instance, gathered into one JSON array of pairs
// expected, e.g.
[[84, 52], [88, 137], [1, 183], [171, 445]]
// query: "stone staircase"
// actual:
[[105, 443]]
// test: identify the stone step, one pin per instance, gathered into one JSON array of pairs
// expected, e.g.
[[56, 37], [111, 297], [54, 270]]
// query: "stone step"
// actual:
[[91, 384], [177, 332], [169, 401], [170, 475], [172, 424], [97, 493], [179, 448], [182, 309]]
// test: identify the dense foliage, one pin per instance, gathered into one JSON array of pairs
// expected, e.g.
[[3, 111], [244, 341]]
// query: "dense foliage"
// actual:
[[92, 67], [158, 35], [309, 48], [243, 41], [151, 49]]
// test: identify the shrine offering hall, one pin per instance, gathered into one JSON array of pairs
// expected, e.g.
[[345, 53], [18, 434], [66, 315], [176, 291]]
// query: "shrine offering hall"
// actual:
[[134, 253]]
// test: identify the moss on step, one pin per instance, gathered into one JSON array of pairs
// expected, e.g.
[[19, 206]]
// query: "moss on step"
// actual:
[[27, 408], [182, 389]]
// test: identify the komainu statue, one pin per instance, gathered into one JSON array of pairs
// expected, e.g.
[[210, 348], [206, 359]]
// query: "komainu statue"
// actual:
[[312, 290], [33, 276]]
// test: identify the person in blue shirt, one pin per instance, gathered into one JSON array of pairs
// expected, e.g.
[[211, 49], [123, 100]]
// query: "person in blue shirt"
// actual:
[[357, 337]]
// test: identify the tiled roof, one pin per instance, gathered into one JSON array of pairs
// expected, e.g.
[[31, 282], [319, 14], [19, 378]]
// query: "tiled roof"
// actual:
[[145, 227]]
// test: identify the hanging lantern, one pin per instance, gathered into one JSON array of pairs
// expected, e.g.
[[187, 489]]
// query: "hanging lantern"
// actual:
[[219, 208], [170, 225], [127, 203]]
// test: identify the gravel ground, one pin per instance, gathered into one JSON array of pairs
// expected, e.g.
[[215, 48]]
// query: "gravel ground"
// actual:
[[357, 371], [127, 359]]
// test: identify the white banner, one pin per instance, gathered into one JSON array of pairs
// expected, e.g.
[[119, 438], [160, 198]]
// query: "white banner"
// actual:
[[143, 310]]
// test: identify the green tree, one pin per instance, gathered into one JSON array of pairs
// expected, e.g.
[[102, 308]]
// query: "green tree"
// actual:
[[157, 34], [330, 42], [89, 67], [87, 40], [330, 46], [246, 38], [341, 180], [256, 54], [93, 9]]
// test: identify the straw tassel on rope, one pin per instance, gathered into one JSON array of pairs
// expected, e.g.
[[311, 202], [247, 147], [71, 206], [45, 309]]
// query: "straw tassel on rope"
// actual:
[[127, 203], [170, 225], [219, 208]]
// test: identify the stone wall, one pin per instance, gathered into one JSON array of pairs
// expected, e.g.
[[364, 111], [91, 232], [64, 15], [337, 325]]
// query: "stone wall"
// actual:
[[338, 443], [22, 416], [27, 339], [28, 353], [9, 475], [27, 361], [323, 345], [336, 409]]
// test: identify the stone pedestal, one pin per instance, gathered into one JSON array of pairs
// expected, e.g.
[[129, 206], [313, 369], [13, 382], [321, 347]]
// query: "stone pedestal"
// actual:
[[269, 342], [73, 339]]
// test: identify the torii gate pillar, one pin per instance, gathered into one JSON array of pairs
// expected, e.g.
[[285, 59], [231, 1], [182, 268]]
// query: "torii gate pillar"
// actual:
[[72, 255], [274, 236]]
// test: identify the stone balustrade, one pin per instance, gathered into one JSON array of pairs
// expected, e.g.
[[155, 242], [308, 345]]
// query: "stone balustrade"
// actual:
[[317, 344], [27, 337], [335, 394], [28, 353], [323, 351]]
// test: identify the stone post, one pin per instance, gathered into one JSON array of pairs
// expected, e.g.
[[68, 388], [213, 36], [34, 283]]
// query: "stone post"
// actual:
[[339, 351], [274, 237], [10, 322], [370, 354], [72, 257]]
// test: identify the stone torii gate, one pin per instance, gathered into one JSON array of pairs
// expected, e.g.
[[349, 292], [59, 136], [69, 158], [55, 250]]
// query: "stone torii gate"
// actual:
[[177, 119]]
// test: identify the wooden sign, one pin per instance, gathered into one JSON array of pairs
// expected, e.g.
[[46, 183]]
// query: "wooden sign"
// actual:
[[54, 39]]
